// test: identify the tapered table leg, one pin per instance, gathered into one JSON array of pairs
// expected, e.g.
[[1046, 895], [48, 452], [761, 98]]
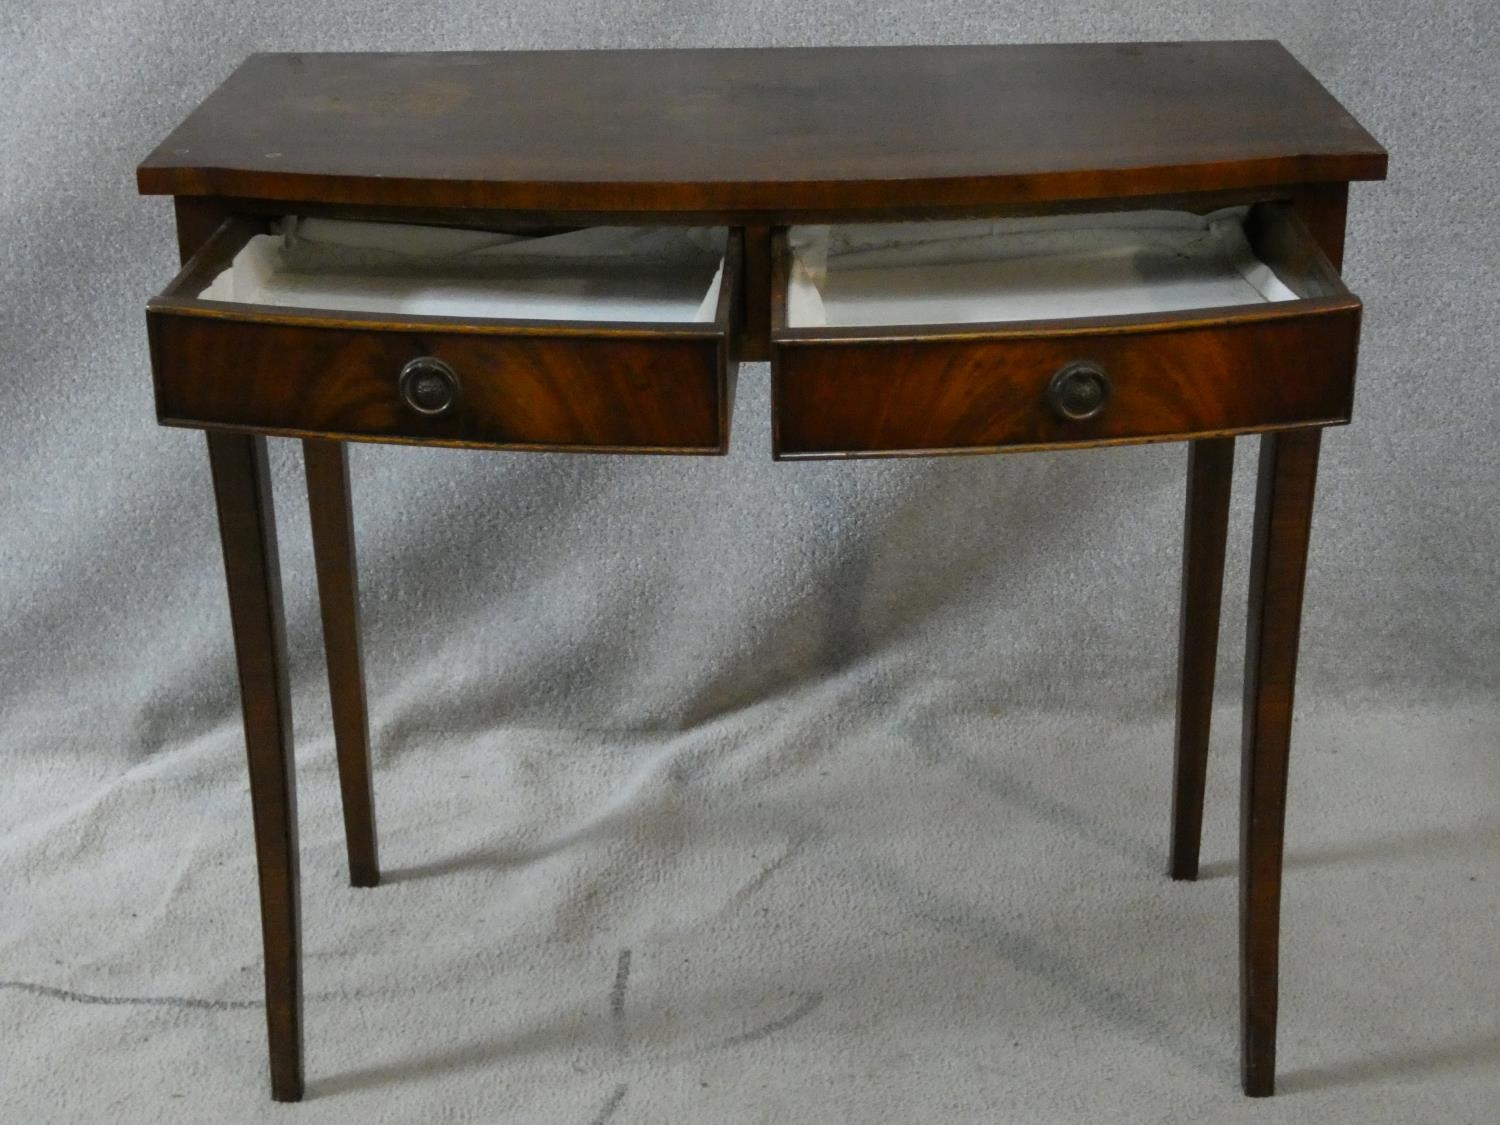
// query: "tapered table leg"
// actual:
[[1278, 564], [328, 501], [247, 527], [1205, 527]]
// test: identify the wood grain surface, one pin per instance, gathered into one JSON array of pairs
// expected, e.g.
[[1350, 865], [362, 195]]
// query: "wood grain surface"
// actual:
[[1286, 481], [252, 571], [763, 130], [330, 508]]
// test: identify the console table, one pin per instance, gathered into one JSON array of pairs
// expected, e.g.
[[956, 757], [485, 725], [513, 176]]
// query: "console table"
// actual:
[[571, 251]]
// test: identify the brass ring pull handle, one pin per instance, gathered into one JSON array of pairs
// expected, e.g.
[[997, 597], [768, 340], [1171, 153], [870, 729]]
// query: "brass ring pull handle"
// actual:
[[1079, 391], [429, 386]]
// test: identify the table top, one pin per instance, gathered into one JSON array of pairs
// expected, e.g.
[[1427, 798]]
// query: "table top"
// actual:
[[773, 130]]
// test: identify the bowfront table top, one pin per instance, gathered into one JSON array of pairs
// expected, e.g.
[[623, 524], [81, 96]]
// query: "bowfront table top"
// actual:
[[776, 130], [1109, 190]]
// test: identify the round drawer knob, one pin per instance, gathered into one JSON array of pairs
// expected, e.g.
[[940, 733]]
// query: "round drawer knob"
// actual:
[[1079, 391], [428, 385]]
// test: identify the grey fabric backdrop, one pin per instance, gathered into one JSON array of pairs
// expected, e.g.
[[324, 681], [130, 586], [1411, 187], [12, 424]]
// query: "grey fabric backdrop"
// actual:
[[622, 602]]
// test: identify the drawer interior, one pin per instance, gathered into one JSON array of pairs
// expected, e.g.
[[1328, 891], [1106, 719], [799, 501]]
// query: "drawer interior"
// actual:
[[1061, 267], [617, 339], [635, 275]]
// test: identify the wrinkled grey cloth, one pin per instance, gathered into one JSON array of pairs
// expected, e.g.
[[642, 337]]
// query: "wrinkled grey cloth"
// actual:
[[864, 766]]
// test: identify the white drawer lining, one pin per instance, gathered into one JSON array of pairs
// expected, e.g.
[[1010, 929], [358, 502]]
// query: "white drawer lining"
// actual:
[[1041, 268], [624, 274]]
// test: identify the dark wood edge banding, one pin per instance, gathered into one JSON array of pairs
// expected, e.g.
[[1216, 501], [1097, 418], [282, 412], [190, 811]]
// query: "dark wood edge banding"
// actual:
[[553, 219], [1038, 447], [445, 443], [1185, 320], [753, 198]]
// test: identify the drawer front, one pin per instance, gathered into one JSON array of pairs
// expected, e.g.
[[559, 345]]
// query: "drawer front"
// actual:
[[512, 391], [926, 393], [663, 388], [955, 388]]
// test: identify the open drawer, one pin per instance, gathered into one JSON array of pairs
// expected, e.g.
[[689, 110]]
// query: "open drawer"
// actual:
[[920, 338], [604, 339]]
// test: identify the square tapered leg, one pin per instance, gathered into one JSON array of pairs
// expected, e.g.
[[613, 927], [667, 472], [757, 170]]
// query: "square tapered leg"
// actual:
[[329, 504], [247, 528], [1205, 528], [1278, 564]]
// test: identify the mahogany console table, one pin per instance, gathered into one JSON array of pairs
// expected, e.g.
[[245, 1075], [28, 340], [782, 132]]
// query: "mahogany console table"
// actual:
[[554, 190]]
